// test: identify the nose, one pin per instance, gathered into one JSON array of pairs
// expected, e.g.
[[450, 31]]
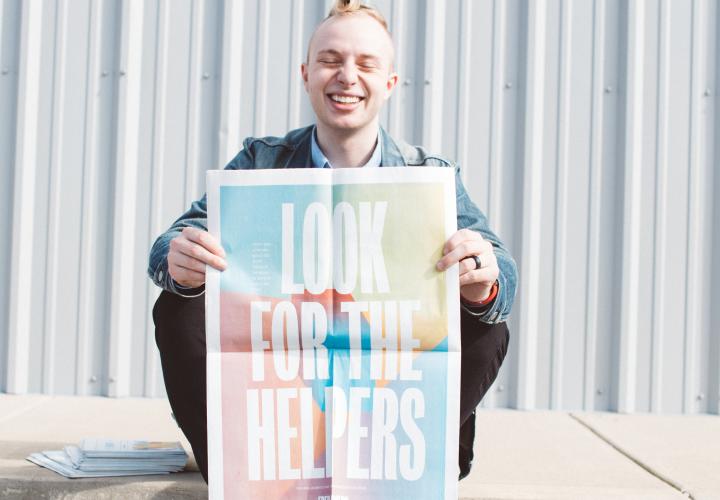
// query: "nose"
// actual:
[[347, 75]]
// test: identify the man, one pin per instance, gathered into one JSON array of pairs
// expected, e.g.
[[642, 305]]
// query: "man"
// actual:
[[348, 77]]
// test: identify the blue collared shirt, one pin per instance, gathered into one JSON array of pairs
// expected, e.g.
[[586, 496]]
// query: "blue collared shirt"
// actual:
[[320, 160]]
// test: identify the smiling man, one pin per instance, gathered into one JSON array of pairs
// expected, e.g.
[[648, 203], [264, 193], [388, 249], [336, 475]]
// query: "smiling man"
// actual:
[[348, 76]]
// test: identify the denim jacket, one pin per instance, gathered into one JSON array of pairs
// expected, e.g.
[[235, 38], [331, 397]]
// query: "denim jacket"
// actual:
[[294, 151]]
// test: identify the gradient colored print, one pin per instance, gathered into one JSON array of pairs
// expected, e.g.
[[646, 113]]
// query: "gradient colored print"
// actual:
[[333, 365]]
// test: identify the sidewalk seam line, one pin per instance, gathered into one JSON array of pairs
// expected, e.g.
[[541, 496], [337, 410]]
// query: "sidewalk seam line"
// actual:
[[627, 455]]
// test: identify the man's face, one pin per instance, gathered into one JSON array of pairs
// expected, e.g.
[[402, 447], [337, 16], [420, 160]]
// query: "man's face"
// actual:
[[348, 74]]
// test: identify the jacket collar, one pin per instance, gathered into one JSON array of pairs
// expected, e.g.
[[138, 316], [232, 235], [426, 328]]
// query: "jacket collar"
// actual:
[[302, 157], [391, 155]]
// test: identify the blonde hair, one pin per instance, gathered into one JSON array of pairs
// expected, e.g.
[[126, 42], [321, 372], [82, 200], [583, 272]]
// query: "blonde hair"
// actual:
[[351, 7], [348, 7]]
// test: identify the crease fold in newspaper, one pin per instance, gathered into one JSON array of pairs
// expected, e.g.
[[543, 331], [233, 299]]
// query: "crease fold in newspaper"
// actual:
[[333, 342]]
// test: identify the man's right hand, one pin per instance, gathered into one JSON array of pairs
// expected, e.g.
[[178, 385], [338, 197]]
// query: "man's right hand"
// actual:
[[190, 252]]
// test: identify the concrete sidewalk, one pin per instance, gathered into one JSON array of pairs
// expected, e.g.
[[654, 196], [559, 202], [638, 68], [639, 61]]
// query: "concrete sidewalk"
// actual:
[[519, 455]]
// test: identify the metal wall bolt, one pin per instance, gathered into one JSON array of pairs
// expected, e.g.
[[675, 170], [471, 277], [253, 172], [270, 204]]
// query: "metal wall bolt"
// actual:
[[93, 379], [508, 85], [608, 89], [706, 93], [5, 71], [501, 388], [111, 379], [427, 82], [599, 392], [122, 72], [407, 82], [205, 76], [700, 396], [104, 73]]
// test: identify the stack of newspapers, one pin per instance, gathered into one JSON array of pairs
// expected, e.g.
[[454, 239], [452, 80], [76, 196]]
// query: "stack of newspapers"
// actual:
[[108, 457]]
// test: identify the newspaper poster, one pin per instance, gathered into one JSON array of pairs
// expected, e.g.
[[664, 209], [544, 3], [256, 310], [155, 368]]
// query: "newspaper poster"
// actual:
[[333, 364]]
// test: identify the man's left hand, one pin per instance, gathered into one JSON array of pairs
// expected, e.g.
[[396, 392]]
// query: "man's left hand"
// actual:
[[475, 284]]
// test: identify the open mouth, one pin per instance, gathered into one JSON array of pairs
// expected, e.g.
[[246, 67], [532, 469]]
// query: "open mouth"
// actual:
[[345, 99]]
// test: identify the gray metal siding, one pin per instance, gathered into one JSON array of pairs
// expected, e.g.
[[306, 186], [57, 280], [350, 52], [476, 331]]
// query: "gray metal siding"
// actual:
[[586, 131]]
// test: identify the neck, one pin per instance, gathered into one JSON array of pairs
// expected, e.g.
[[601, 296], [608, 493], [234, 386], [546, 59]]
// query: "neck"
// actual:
[[347, 148]]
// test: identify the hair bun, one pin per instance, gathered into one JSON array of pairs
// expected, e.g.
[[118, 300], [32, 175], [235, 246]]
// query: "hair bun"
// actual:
[[342, 6]]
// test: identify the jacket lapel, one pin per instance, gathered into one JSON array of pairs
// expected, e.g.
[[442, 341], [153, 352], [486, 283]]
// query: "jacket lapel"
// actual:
[[302, 156], [391, 155]]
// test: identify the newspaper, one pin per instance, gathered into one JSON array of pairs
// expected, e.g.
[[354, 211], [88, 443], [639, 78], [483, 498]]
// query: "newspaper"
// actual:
[[107, 457], [333, 342]]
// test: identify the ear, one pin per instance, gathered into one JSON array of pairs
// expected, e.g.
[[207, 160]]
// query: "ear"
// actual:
[[391, 84], [304, 73]]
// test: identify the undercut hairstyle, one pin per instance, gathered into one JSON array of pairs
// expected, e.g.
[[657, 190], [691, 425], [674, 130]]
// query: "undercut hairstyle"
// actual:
[[349, 7], [354, 7]]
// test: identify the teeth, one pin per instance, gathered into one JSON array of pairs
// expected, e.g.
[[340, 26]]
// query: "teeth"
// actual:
[[344, 99]]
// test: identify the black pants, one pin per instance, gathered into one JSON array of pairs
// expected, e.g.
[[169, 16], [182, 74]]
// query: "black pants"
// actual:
[[180, 336]]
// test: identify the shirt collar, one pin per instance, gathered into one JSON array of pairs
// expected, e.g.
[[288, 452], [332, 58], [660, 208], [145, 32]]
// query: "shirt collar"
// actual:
[[320, 160]]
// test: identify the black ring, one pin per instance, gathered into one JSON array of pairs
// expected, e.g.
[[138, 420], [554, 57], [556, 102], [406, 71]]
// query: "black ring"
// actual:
[[478, 263]]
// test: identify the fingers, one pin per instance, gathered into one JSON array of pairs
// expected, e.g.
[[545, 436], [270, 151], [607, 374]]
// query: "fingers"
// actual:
[[204, 239], [190, 252], [484, 275], [458, 249], [200, 247], [186, 277], [486, 259], [185, 262], [459, 237]]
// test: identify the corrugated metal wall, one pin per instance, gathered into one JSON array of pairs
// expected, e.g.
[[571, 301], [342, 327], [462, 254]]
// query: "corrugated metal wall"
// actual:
[[586, 130]]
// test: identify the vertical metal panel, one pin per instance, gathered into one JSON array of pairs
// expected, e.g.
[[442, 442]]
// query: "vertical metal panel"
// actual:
[[230, 85], [530, 262], [58, 130], [661, 193], [261, 74], [594, 187], [713, 108], [433, 74], [123, 264], [631, 218], [9, 53], [21, 265], [89, 219], [398, 20], [158, 164], [496, 166], [586, 131], [561, 206], [297, 57], [695, 289]]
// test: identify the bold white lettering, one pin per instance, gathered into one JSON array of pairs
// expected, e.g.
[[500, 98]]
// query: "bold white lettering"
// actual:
[[412, 397], [257, 432], [335, 422], [384, 421], [257, 343], [355, 433], [314, 332], [316, 248], [383, 347], [285, 433], [391, 340], [407, 341], [309, 471], [372, 262], [345, 248], [355, 332], [285, 325], [287, 284]]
